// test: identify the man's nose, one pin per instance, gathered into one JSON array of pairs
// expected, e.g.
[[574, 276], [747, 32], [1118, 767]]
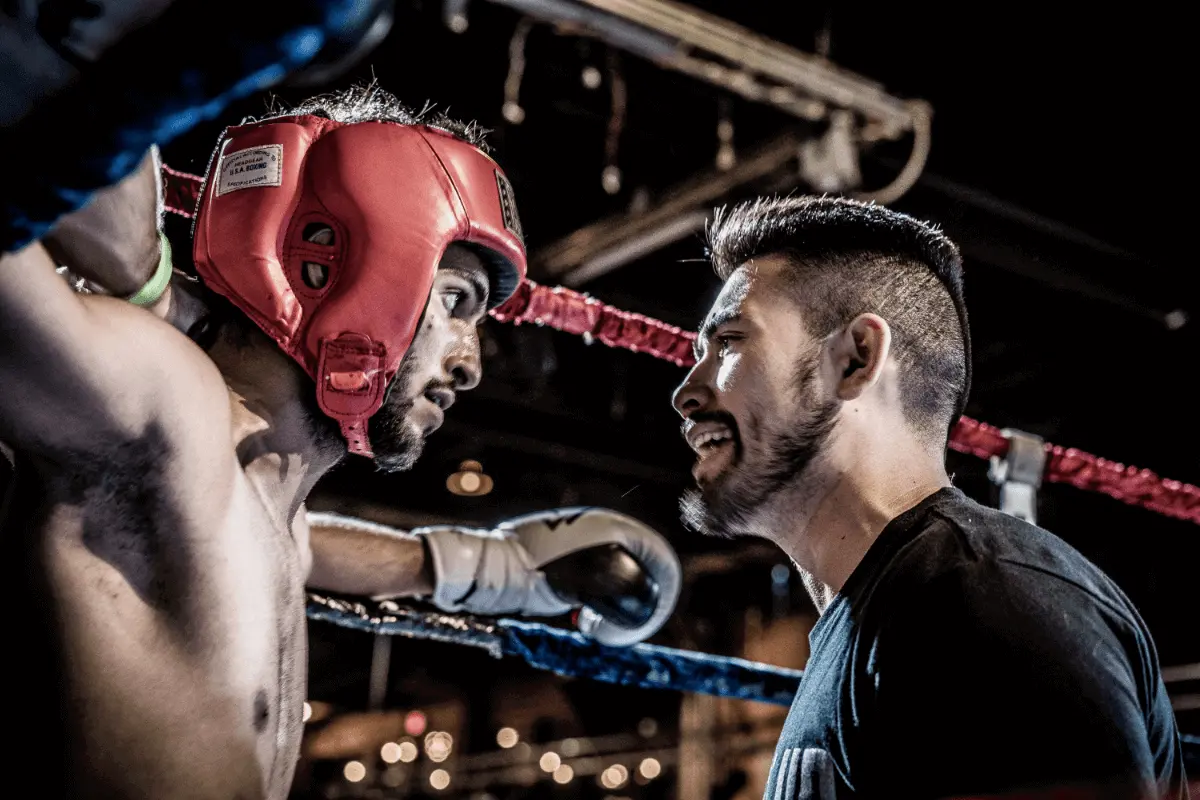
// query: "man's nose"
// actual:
[[464, 363], [693, 394]]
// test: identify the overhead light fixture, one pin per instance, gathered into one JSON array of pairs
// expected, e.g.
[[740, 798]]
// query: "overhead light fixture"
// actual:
[[470, 480], [454, 14]]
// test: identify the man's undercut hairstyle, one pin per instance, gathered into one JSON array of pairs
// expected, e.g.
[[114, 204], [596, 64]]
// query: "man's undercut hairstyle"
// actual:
[[848, 258], [369, 103]]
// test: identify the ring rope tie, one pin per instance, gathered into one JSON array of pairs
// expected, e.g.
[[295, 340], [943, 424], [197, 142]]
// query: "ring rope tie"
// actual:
[[573, 312], [571, 654], [560, 651]]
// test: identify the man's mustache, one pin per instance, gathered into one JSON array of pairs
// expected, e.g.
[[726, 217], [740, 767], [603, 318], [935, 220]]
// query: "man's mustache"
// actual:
[[721, 417]]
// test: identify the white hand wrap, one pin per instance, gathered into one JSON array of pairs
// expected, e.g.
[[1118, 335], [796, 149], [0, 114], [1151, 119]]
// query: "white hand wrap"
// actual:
[[500, 571]]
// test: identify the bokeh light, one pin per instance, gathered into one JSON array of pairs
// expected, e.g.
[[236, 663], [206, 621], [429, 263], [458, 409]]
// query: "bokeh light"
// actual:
[[354, 771], [439, 779], [393, 777], [614, 777], [438, 745], [549, 761], [390, 752], [650, 768], [564, 774], [507, 737], [414, 723], [408, 752]]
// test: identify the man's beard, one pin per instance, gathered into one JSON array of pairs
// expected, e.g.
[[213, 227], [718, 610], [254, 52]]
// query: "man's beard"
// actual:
[[395, 442], [727, 507]]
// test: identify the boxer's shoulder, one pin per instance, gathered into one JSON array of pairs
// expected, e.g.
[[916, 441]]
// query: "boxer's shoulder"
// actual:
[[158, 447], [180, 397]]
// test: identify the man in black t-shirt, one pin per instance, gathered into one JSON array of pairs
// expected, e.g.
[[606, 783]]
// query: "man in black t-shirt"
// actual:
[[960, 652]]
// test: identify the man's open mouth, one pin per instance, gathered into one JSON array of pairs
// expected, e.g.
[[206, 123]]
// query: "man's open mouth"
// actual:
[[714, 444]]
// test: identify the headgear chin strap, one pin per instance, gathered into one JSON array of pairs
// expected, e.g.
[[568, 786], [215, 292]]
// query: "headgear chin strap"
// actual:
[[395, 196]]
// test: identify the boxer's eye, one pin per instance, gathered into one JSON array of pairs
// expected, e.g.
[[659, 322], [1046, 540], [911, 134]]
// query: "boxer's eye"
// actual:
[[451, 299]]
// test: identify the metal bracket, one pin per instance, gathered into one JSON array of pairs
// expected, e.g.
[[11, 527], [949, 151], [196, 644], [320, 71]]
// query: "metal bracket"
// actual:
[[1019, 474]]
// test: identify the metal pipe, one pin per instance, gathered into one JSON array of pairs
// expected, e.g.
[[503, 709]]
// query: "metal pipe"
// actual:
[[757, 54], [604, 237], [381, 660], [678, 37], [633, 38], [1180, 673], [635, 247]]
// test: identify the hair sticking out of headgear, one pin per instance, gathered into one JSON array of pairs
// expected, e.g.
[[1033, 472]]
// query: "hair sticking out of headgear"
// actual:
[[369, 103], [394, 191]]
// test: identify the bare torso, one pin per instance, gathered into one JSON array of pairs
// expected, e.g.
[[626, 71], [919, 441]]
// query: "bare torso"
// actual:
[[162, 602]]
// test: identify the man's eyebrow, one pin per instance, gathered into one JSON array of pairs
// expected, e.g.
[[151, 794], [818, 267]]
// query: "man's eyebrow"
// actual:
[[478, 281], [725, 316]]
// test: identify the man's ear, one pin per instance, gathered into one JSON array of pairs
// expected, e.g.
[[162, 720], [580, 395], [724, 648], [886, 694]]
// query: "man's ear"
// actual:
[[859, 352]]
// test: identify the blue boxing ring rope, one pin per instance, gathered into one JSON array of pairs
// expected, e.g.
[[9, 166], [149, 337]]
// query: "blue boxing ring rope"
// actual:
[[569, 653], [189, 67], [573, 655]]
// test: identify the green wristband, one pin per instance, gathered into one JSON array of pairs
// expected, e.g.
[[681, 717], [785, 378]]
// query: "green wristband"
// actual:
[[154, 289]]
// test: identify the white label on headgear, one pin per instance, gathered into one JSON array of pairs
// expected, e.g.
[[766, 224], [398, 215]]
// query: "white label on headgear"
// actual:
[[250, 168]]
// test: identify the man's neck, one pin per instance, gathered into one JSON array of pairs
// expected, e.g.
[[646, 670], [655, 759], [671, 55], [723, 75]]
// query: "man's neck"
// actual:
[[279, 455], [829, 541], [281, 444]]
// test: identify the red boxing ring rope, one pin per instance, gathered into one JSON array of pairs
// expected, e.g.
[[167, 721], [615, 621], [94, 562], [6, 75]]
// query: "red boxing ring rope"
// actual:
[[573, 312]]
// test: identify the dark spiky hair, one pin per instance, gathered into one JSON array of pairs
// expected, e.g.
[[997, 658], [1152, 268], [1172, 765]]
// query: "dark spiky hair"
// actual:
[[369, 103], [848, 258]]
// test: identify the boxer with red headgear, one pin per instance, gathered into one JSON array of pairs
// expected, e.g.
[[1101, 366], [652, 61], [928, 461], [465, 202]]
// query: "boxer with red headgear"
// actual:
[[346, 253]]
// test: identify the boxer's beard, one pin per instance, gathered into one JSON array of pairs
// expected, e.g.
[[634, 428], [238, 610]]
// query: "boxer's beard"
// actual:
[[395, 442], [776, 456]]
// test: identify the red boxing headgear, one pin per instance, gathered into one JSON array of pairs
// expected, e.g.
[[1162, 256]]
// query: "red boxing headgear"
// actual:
[[395, 196]]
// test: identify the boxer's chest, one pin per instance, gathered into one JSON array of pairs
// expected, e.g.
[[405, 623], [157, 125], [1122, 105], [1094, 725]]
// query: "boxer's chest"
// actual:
[[170, 622]]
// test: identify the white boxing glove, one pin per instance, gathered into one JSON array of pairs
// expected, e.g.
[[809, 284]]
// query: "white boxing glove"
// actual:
[[622, 575]]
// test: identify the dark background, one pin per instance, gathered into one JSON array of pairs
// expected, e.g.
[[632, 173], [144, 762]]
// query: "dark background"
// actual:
[[1060, 164]]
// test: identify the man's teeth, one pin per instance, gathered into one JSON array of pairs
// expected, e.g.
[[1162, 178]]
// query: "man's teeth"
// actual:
[[711, 439]]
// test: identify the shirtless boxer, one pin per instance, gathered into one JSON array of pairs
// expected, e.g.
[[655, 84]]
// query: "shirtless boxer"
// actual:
[[156, 529]]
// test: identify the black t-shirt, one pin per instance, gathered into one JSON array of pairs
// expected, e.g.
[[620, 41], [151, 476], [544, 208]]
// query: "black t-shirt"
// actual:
[[971, 654]]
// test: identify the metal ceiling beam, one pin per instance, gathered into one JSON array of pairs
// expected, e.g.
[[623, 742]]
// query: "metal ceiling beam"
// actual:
[[681, 38], [684, 39], [611, 242]]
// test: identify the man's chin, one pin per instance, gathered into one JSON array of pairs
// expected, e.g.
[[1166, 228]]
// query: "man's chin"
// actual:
[[397, 444], [389, 458], [703, 511]]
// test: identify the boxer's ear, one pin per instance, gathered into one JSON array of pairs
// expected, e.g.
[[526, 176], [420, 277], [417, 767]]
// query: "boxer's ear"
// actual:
[[859, 352]]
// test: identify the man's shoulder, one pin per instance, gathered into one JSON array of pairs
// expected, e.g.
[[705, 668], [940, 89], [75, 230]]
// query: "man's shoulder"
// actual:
[[973, 551], [185, 396]]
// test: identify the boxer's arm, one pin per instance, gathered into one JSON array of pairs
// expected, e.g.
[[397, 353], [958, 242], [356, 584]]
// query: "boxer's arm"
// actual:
[[623, 575], [353, 556], [113, 241], [77, 372]]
